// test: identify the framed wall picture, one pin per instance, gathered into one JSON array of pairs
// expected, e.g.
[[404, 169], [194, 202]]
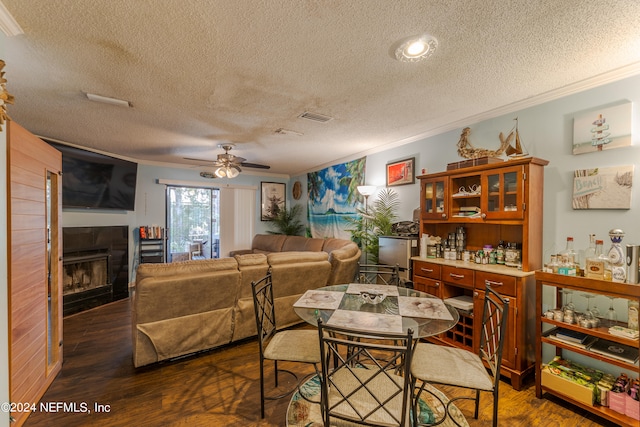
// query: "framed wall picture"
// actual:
[[272, 200], [401, 172], [602, 129], [603, 188]]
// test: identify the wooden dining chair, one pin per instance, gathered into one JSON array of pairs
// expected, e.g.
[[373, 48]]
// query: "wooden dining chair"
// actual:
[[287, 345], [436, 364], [365, 376]]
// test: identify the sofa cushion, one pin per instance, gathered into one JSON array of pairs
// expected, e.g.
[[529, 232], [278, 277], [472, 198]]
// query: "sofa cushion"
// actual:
[[301, 243], [331, 244], [296, 257], [247, 260], [268, 243], [184, 292], [185, 267], [293, 274]]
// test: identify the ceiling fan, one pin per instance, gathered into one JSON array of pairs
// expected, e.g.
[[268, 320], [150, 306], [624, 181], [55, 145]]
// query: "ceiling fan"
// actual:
[[227, 165]]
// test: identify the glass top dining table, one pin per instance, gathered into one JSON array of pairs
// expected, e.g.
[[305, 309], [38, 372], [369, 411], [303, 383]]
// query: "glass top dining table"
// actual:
[[363, 312]]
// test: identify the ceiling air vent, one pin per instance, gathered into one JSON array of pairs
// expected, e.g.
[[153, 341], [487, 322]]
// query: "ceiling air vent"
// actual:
[[315, 117]]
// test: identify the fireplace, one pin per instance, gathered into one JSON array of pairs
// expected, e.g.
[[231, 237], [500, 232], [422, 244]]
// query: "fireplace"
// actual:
[[95, 266]]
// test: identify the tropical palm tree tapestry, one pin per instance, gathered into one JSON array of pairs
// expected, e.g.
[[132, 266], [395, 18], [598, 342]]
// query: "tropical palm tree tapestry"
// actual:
[[334, 197]]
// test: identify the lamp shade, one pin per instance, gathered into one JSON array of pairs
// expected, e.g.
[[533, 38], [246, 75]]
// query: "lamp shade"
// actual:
[[366, 190]]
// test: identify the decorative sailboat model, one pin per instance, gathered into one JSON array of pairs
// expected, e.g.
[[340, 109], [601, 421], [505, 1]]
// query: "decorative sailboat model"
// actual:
[[482, 156], [517, 150]]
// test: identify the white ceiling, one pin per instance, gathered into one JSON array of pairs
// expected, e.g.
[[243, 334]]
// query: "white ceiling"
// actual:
[[203, 72]]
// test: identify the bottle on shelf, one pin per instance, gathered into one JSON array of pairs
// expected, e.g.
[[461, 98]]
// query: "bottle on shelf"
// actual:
[[598, 266], [633, 314], [617, 256], [500, 253], [570, 257], [566, 265], [512, 255], [552, 265], [568, 261], [589, 252]]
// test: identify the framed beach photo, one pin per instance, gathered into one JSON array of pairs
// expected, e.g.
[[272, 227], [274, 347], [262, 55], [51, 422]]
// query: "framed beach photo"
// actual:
[[603, 188], [401, 172], [272, 200], [602, 128]]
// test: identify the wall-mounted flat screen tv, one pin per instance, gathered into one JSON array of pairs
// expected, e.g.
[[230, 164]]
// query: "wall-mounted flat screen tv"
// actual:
[[95, 181]]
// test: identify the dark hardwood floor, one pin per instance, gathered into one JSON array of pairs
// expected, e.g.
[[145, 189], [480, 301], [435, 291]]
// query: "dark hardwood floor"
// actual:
[[217, 388]]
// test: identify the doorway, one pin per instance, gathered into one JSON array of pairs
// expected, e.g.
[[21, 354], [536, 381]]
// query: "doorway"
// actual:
[[193, 221]]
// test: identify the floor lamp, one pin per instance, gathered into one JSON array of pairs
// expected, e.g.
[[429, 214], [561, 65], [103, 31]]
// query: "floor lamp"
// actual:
[[366, 191]]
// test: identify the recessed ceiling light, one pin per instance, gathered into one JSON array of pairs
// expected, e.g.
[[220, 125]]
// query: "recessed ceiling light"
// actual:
[[415, 48]]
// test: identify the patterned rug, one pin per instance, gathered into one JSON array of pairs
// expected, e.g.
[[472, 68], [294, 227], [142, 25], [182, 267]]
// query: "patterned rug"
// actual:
[[302, 413]]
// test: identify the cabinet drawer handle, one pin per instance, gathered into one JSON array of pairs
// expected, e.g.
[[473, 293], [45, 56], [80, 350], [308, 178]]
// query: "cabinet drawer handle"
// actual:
[[426, 270], [437, 284], [492, 283], [457, 276]]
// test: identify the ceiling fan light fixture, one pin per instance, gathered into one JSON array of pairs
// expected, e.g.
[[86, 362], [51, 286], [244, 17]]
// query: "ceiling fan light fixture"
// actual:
[[416, 48], [227, 171]]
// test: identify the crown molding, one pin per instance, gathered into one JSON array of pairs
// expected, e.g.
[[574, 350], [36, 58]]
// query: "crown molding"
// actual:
[[8, 24], [570, 89]]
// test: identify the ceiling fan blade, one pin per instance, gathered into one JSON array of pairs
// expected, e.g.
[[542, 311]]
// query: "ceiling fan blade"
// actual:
[[254, 165], [199, 160], [204, 162]]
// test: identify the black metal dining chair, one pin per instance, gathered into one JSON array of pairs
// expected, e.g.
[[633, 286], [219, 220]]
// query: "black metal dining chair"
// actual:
[[287, 345], [436, 364], [365, 376], [381, 274]]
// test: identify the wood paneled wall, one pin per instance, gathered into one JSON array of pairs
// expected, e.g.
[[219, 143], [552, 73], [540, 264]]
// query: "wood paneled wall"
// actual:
[[31, 367]]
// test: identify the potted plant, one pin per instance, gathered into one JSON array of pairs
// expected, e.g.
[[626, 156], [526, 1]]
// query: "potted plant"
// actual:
[[374, 221], [287, 221]]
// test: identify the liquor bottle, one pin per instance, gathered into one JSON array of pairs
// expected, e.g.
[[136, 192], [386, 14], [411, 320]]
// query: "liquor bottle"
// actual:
[[552, 265], [569, 258], [617, 257], [588, 253], [598, 266], [566, 265]]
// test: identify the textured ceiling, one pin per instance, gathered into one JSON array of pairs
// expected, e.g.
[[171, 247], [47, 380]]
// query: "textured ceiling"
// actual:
[[203, 72]]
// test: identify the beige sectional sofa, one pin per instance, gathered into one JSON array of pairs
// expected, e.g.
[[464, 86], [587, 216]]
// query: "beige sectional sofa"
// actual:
[[343, 254], [186, 307]]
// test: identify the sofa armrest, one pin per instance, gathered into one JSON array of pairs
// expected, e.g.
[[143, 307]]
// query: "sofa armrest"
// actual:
[[344, 264]]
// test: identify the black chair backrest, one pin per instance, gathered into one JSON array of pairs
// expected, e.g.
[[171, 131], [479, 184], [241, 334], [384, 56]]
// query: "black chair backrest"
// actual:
[[379, 274], [494, 324], [366, 375], [264, 309]]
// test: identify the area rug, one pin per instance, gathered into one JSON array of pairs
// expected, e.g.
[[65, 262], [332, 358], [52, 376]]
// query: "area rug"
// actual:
[[303, 413]]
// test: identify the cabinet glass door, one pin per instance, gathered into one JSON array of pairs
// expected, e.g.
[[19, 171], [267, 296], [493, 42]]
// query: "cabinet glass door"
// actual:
[[434, 199], [504, 193]]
